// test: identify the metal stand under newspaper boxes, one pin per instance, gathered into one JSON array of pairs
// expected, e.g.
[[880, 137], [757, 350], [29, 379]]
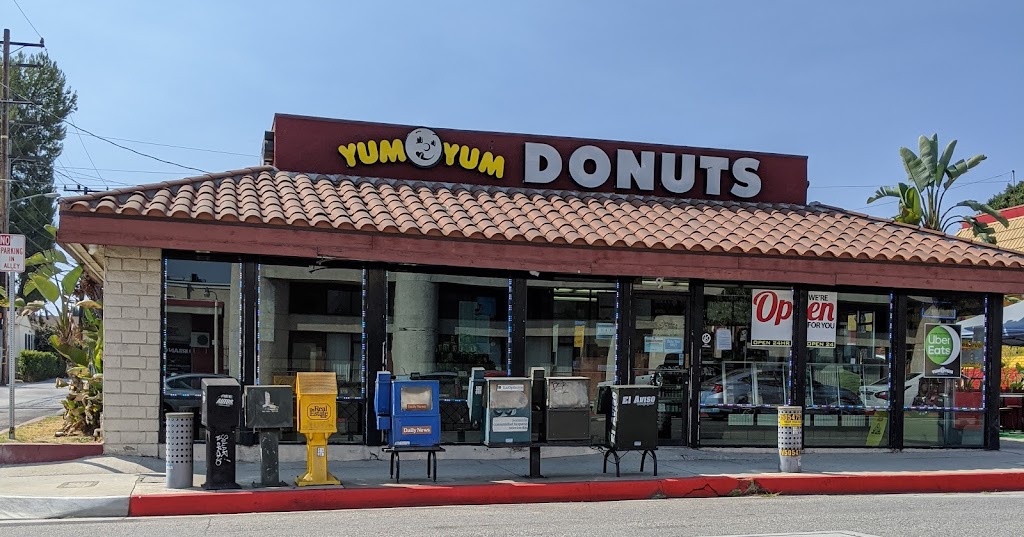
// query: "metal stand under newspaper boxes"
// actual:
[[268, 409], [791, 438], [409, 414], [220, 413], [475, 399], [632, 418], [317, 410], [508, 412]]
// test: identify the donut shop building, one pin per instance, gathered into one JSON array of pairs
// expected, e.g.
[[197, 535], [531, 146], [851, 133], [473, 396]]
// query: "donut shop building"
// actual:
[[356, 247]]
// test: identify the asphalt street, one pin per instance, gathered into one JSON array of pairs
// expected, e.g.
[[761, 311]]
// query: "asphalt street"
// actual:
[[31, 400], [925, 515]]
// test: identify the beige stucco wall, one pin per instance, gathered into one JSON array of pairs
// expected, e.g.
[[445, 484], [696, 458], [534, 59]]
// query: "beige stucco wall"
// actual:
[[131, 330]]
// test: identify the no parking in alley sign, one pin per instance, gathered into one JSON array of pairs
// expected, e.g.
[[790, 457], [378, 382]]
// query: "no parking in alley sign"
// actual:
[[12, 253]]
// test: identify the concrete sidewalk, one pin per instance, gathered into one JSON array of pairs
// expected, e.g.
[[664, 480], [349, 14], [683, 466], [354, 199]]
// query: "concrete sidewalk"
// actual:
[[122, 486]]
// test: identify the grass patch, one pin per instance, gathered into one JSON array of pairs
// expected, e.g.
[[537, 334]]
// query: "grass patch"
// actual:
[[42, 432]]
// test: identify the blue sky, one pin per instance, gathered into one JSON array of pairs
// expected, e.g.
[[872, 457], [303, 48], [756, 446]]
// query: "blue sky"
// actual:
[[845, 83]]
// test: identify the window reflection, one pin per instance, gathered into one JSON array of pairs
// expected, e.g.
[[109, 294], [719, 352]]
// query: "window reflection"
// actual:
[[442, 326], [571, 328], [310, 319], [944, 411], [201, 330], [848, 378], [744, 369]]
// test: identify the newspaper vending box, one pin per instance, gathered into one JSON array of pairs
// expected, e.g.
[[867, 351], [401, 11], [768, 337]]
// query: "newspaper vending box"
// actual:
[[508, 412], [408, 411]]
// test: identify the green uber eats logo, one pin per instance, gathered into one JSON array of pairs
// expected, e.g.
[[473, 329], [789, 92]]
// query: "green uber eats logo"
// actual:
[[942, 348]]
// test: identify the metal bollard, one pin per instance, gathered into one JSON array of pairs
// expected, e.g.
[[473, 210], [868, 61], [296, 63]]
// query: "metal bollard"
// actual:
[[791, 438], [178, 451]]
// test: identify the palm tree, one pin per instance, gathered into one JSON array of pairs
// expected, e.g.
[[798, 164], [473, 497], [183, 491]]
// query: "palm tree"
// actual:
[[922, 196]]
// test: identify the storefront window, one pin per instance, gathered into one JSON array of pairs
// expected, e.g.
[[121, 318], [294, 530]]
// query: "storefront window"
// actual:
[[745, 364], [659, 356], [441, 327], [571, 328], [201, 330], [310, 320], [945, 371], [848, 380]]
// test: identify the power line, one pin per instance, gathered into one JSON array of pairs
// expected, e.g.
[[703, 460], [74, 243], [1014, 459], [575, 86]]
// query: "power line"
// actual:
[[82, 141], [950, 188], [126, 148], [123, 171], [27, 19], [111, 142], [183, 147]]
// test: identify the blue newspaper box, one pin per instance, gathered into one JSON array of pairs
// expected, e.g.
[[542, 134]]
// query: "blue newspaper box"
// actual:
[[411, 413], [508, 412], [382, 401]]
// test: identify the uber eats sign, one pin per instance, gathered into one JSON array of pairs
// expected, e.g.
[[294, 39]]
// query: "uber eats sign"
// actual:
[[942, 350]]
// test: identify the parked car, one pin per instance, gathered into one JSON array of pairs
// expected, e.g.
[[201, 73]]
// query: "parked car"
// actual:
[[876, 394], [737, 388], [184, 393]]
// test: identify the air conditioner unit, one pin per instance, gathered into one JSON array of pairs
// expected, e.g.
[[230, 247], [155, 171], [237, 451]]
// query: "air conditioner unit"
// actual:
[[201, 339]]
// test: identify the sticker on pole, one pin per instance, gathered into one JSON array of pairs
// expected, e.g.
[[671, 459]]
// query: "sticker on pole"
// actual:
[[12, 253]]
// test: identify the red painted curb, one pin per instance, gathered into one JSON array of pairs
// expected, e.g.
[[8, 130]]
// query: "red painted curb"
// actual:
[[24, 453], [268, 500], [893, 483]]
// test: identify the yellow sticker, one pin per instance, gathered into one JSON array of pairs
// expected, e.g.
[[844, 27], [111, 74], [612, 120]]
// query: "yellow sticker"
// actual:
[[790, 421]]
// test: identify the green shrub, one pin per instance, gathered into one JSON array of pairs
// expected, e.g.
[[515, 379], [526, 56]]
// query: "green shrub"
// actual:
[[34, 366]]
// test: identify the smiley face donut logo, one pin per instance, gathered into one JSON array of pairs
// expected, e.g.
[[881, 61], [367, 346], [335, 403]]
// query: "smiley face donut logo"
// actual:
[[423, 147]]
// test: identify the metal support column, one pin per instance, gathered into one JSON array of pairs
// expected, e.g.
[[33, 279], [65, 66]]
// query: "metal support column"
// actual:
[[375, 336], [898, 370], [250, 321], [694, 333], [798, 371], [993, 368], [625, 333], [517, 331]]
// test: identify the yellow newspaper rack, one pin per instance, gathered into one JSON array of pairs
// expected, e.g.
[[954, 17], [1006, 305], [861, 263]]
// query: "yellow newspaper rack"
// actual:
[[316, 413]]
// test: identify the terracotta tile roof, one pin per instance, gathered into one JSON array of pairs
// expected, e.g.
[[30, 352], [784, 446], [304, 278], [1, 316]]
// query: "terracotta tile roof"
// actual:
[[600, 220], [1010, 237]]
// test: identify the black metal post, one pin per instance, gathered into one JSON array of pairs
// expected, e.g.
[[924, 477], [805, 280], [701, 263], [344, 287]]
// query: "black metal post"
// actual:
[[626, 333], [798, 372], [517, 336], [694, 332], [270, 474], [250, 321], [993, 368], [375, 310], [898, 370]]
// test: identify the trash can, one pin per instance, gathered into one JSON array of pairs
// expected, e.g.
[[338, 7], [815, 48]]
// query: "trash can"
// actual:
[[791, 438], [178, 450]]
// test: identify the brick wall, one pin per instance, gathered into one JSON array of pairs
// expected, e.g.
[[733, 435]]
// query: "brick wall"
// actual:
[[131, 353]]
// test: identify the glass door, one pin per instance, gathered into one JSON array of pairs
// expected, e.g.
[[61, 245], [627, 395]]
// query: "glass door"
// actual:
[[658, 355]]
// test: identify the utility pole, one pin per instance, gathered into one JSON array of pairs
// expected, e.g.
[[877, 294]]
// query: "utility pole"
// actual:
[[5, 208]]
